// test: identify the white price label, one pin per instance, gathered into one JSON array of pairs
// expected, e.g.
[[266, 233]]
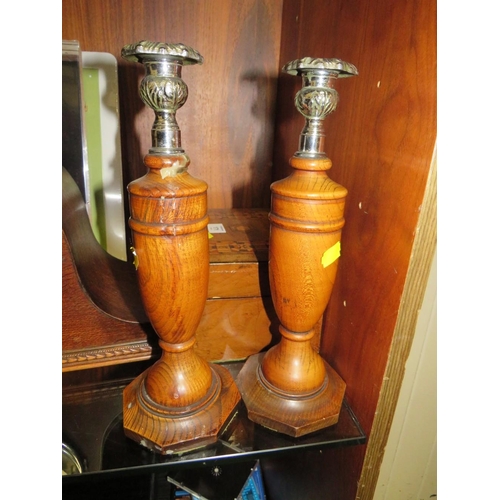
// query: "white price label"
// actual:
[[216, 228]]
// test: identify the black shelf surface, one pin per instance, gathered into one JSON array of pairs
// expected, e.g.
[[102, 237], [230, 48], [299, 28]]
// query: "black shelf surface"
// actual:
[[93, 428]]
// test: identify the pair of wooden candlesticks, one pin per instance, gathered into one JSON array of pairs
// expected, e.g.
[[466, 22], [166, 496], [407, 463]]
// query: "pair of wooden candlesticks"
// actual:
[[183, 402]]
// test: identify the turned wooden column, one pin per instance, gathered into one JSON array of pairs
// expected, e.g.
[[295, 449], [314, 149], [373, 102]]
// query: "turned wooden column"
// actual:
[[291, 389], [181, 402]]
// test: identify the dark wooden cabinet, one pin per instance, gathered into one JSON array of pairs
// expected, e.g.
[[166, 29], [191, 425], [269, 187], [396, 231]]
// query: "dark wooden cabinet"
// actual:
[[240, 128]]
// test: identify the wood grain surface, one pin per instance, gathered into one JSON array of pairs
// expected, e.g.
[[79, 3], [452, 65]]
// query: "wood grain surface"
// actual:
[[227, 123], [381, 140], [181, 402], [290, 388], [103, 319]]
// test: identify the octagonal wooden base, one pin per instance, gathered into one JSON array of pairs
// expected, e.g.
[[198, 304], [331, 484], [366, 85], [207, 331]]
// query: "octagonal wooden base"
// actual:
[[177, 430], [294, 416]]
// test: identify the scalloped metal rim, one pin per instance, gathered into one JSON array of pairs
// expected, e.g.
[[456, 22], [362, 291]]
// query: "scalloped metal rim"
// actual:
[[337, 66], [135, 52]]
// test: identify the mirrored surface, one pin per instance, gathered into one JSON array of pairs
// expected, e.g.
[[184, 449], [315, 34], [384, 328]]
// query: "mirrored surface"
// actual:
[[93, 427]]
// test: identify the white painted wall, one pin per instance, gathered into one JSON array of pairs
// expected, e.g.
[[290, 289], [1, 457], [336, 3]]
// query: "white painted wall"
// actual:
[[409, 466]]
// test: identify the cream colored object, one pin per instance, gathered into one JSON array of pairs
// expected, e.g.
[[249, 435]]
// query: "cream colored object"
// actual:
[[409, 467]]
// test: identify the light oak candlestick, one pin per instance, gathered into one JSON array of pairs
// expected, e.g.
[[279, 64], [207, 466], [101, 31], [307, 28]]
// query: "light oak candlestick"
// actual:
[[181, 402], [291, 389]]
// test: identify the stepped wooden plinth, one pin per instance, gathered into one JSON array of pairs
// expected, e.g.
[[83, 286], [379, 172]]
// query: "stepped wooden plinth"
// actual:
[[182, 402], [290, 388]]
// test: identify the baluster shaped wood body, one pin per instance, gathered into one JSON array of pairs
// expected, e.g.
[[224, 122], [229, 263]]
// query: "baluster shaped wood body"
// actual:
[[181, 402], [290, 388]]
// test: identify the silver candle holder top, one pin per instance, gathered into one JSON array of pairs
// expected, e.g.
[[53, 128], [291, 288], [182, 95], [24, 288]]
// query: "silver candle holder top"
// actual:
[[163, 89], [317, 98]]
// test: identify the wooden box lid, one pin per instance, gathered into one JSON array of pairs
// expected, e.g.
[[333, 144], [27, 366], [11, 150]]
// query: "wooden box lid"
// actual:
[[239, 248]]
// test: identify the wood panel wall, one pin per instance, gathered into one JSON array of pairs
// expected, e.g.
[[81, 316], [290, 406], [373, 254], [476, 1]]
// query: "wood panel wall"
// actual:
[[227, 123], [381, 140]]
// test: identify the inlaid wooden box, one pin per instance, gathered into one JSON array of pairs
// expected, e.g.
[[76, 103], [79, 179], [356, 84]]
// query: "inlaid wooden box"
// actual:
[[239, 318]]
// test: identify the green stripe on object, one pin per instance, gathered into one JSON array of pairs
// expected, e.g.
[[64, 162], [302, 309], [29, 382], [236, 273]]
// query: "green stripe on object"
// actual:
[[92, 100]]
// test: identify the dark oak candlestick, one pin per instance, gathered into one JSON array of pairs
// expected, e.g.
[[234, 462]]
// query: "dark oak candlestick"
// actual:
[[290, 388], [181, 402]]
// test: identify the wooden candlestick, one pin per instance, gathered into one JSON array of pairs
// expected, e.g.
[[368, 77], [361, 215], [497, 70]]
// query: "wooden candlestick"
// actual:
[[291, 389], [181, 402]]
